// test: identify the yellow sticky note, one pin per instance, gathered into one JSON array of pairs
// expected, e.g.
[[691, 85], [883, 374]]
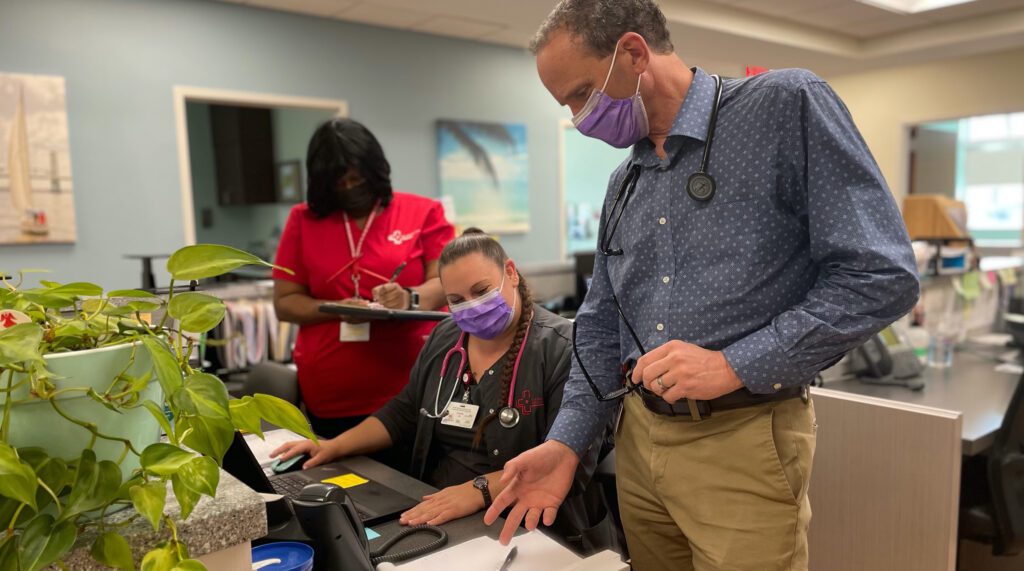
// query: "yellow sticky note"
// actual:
[[346, 480], [1009, 276]]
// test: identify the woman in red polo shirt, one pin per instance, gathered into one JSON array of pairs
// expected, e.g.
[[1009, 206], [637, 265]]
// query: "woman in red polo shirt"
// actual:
[[345, 243]]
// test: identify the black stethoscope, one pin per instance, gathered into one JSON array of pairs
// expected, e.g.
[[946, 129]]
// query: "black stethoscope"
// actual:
[[508, 416], [700, 185]]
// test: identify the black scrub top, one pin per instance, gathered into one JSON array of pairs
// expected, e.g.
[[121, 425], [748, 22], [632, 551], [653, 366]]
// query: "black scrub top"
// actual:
[[583, 520], [538, 395], [457, 460]]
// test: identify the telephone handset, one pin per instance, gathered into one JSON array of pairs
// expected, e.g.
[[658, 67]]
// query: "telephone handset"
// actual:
[[887, 358], [329, 517]]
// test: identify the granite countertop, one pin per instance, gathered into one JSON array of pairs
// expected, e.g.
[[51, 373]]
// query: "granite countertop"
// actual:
[[235, 516]]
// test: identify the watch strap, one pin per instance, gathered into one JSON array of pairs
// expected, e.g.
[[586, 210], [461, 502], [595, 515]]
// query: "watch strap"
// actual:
[[481, 484]]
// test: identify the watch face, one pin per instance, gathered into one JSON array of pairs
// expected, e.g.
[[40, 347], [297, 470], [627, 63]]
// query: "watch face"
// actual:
[[480, 482]]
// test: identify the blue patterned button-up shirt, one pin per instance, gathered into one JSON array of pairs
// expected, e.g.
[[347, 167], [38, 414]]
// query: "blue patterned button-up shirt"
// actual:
[[800, 256]]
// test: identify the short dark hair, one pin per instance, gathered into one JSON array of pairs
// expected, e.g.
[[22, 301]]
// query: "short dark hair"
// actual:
[[600, 24], [336, 146]]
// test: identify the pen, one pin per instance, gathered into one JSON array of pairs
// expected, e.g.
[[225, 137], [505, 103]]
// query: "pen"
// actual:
[[398, 271], [508, 559]]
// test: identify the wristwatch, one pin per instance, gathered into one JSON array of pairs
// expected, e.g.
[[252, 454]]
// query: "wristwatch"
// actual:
[[480, 483], [414, 298]]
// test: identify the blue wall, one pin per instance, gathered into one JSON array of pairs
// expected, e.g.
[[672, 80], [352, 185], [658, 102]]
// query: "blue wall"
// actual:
[[121, 59]]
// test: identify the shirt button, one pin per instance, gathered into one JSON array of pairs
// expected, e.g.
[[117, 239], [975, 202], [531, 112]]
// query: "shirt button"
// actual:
[[495, 452], [661, 327], [666, 279], [662, 221], [490, 411], [777, 386]]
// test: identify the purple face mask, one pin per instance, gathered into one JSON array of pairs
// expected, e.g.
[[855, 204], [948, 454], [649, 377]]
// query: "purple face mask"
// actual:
[[618, 122], [486, 317]]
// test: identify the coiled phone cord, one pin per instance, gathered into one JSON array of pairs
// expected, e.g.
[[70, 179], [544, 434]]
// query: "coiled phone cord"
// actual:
[[377, 556]]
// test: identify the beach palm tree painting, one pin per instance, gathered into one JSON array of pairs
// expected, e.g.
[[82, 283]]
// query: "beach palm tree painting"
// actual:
[[36, 200], [484, 173]]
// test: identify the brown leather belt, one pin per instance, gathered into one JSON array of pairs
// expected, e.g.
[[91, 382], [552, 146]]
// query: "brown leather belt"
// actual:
[[700, 409]]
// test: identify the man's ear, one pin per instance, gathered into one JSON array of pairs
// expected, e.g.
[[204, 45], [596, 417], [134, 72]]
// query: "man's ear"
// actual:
[[639, 52]]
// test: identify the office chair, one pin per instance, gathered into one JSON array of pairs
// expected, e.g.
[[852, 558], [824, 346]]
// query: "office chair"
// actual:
[[996, 516], [272, 378]]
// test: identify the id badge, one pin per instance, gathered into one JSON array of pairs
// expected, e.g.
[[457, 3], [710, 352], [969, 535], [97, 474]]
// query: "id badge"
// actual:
[[460, 415], [351, 332]]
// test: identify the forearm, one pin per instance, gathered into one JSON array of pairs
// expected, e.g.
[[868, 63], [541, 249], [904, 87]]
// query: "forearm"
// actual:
[[301, 309], [431, 295], [366, 437]]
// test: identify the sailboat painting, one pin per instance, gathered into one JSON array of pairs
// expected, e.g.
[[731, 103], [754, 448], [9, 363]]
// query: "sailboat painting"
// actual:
[[36, 195]]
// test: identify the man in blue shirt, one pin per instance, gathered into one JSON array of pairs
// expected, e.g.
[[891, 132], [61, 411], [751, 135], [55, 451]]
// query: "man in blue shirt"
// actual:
[[730, 289]]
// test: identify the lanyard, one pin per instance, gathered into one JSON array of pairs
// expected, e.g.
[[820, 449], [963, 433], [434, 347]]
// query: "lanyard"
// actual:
[[356, 249]]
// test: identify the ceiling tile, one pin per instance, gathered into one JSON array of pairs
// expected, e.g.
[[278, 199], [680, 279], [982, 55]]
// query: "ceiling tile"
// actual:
[[882, 26], [312, 7], [458, 27], [782, 8], [841, 16], [970, 9], [379, 15]]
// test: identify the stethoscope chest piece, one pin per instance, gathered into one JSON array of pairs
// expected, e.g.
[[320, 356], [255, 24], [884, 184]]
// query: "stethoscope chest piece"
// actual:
[[700, 186], [508, 417]]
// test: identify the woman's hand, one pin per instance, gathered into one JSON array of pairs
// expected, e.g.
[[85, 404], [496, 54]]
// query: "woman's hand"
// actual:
[[359, 302], [327, 451], [391, 296], [450, 503]]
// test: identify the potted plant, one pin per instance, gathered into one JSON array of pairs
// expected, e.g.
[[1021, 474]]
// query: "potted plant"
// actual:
[[88, 381]]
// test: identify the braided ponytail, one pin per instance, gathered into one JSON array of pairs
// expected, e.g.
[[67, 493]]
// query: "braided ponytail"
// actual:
[[525, 315]]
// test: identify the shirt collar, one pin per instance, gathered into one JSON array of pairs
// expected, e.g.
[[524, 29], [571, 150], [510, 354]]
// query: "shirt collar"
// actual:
[[691, 121]]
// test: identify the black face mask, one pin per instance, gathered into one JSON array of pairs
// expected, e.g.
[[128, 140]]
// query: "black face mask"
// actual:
[[357, 201]]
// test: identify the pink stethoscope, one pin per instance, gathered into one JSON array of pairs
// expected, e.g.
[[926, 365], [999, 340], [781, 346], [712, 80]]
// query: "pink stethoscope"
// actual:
[[508, 416]]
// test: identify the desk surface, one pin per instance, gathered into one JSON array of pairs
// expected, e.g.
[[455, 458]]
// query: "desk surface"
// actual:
[[971, 386], [458, 531]]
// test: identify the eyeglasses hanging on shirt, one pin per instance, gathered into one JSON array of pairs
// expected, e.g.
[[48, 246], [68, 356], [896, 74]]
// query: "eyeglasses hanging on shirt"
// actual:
[[627, 369], [700, 185]]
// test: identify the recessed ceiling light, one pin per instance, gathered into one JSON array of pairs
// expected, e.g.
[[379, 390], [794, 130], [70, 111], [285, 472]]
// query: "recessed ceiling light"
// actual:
[[913, 6]]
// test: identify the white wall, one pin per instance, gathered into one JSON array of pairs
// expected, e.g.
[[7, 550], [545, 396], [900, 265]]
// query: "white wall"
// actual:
[[885, 103]]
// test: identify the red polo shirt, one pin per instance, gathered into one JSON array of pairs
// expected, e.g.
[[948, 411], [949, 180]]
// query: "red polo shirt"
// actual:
[[340, 379]]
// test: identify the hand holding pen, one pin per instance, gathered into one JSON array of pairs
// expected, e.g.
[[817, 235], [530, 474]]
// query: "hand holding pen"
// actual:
[[390, 294]]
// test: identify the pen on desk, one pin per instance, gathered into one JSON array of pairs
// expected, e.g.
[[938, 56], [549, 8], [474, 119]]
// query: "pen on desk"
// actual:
[[508, 559]]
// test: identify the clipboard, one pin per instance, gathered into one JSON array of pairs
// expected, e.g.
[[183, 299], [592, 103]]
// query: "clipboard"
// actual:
[[382, 314]]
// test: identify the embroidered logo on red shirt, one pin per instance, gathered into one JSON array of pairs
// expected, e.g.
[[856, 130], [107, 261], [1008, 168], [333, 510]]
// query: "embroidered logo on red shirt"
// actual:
[[398, 238], [528, 403]]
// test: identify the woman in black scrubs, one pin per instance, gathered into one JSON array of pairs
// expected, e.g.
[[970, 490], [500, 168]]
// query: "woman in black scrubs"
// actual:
[[466, 417]]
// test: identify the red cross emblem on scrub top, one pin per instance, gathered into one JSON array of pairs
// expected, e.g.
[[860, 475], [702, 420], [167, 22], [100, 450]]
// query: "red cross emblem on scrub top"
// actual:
[[527, 403]]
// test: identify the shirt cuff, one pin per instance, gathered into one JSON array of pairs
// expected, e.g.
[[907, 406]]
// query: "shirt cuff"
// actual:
[[577, 429], [762, 366]]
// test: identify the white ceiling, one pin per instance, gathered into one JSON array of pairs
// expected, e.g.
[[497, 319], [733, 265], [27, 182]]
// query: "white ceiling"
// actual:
[[828, 36]]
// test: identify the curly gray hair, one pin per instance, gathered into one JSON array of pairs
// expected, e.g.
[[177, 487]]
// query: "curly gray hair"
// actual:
[[600, 24]]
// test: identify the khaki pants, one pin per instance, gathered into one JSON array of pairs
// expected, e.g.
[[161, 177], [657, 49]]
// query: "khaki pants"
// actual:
[[725, 493]]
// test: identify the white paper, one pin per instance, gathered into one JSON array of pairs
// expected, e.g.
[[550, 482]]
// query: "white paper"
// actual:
[[537, 552], [261, 449]]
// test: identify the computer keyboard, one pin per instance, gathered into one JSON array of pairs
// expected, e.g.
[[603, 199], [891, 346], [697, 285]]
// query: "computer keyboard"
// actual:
[[289, 486]]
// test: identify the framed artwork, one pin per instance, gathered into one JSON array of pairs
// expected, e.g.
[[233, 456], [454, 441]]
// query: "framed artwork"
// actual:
[[290, 182], [36, 193], [484, 172]]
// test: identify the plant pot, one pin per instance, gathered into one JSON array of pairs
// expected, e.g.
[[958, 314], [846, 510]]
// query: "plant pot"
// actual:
[[35, 423]]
